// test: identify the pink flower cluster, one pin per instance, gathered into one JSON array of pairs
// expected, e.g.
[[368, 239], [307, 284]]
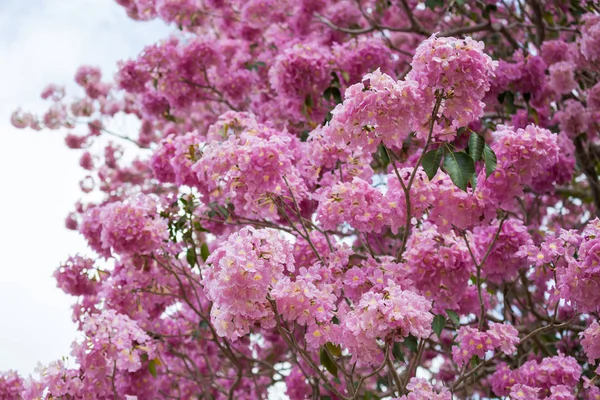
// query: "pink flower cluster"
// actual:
[[243, 270], [392, 313], [550, 377], [307, 300], [248, 170], [579, 279], [420, 389], [373, 275], [301, 71], [573, 119], [172, 162], [439, 265], [359, 57], [11, 385], [131, 227], [73, 276], [452, 206], [378, 110], [502, 263], [590, 37], [357, 203], [562, 77], [522, 155], [458, 67], [473, 342], [591, 341], [421, 196], [115, 338]]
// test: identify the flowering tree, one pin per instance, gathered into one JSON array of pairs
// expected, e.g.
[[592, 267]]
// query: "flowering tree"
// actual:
[[337, 199]]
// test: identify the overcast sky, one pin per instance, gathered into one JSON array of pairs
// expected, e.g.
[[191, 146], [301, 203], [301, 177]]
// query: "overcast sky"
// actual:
[[43, 41]]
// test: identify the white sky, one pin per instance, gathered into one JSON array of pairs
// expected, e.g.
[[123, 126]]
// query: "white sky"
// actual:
[[44, 41]]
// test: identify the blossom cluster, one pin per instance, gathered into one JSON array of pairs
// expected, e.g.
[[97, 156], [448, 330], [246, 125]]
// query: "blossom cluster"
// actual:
[[242, 274], [473, 342], [374, 199]]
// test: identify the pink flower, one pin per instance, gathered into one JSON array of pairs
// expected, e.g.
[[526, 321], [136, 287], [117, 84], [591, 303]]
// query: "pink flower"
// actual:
[[461, 69], [242, 273], [562, 77], [378, 110]]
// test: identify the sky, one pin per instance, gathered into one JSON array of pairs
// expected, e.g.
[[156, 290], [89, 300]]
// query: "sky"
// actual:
[[41, 42]]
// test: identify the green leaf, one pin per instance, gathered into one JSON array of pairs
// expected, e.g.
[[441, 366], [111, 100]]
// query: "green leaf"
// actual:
[[534, 115], [204, 253], [431, 162], [473, 182], [510, 102], [476, 145], [346, 76], [336, 350], [333, 93], [438, 324], [434, 3], [328, 363], [203, 324], [397, 352], [459, 165], [411, 343], [453, 315], [152, 366], [190, 255], [308, 105], [255, 65], [308, 101], [489, 157]]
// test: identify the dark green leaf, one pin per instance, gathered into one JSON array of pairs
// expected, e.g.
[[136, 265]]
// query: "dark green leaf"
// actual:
[[333, 93], [397, 352], [438, 324], [431, 162], [434, 3], [328, 363], [308, 101], [473, 182], [191, 256], [152, 366], [181, 222], [169, 117], [534, 115], [336, 350], [411, 343], [460, 167], [510, 102], [453, 317], [203, 324], [476, 145], [501, 97], [489, 157], [204, 253], [256, 65]]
